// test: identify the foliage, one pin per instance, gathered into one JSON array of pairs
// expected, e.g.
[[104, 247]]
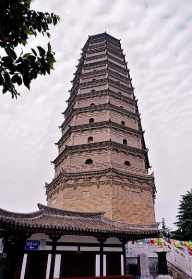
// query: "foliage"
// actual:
[[184, 218], [164, 229], [17, 24]]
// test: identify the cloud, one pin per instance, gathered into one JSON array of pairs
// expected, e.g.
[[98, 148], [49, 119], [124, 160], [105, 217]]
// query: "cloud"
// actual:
[[157, 40]]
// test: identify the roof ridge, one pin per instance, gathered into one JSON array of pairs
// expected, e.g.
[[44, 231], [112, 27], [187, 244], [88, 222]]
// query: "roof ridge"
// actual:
[[123, 224], [12, 214], [62, 212]]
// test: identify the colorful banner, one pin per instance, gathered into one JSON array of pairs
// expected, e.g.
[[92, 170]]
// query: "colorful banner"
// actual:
[[182, 247]]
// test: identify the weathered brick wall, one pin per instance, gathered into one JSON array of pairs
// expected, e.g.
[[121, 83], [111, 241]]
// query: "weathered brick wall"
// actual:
[[119, 200], [87, 102], [118, 117], [121, 103], [118, 90], [104, 100], [103, 134], [96, 87], [76, 163], [86, 197], [133, 204], [93, 54], [94, 60], [83, 118], [119, 136], [136, 163], [118, 64], [88, 70], [98, 135], [104, 115], [102, 159]]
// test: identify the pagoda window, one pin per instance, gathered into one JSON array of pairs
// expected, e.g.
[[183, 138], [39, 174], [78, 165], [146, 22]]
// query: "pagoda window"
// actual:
[[90, 139], [125, 141], [89, 161], [91, 120], [127, 163], [123, 123]]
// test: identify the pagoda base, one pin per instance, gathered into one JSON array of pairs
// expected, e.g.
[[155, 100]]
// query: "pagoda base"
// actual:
[[121, 196]]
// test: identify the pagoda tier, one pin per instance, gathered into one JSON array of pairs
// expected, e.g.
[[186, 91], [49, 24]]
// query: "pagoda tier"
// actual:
[[102, 136]]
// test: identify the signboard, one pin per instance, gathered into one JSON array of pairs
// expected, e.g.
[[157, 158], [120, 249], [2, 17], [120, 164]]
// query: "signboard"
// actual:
[[32, 245]]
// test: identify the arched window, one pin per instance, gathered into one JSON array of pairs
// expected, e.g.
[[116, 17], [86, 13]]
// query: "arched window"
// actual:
[[92, 104], [127, 163], [90, 139], [89, 161], [125, 141], [93, 90], [123, 123], [91, 120]]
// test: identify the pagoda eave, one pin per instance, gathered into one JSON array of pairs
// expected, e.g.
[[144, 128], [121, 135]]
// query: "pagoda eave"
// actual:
[[106, 92], [98, 125], [101, 107], [98, 145], [64, 176]]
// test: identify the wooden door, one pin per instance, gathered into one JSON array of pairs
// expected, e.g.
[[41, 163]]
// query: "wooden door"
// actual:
[[76, 264], [113, 263], [36, 265]]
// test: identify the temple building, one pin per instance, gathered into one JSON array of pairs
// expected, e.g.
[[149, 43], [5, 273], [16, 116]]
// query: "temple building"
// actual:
[[102, 194]]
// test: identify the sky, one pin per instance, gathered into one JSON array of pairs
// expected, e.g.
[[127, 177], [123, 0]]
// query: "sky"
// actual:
[[157, 40]]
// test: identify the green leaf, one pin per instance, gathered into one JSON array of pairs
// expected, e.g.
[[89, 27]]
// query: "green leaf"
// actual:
[[16, 79], [26, 81], [41, 51], [35, 53], [17, 23], [11, 52], [1, 79]]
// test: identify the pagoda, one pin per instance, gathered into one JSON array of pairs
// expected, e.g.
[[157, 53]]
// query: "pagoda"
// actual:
[[103, 163], [102, 195]]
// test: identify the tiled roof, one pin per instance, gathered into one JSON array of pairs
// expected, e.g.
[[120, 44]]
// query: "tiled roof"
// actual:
[[48, 219]]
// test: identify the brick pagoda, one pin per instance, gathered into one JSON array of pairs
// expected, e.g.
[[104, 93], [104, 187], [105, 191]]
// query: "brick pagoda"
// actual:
[[102, 195], [103, 163]]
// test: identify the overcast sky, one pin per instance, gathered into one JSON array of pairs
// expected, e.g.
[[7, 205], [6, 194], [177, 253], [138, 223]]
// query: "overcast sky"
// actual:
[[157, 40]]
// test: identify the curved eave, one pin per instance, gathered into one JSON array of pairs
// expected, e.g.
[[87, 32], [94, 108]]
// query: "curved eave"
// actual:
[[104, 92], [109, 171], [100, 107], [25, 227], [98, 145], [97, 125]]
